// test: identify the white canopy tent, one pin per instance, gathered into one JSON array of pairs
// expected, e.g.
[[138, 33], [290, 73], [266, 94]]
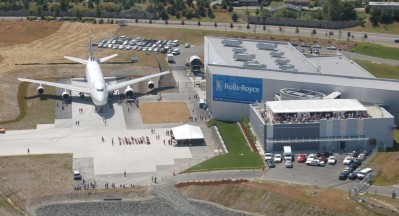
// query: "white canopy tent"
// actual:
[[187, 132]]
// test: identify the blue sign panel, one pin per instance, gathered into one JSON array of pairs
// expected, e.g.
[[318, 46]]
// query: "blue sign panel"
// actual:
[[236, 89]]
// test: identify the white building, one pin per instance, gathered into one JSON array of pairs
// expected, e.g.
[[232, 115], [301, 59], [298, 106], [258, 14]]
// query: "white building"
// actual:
[[232, 88]]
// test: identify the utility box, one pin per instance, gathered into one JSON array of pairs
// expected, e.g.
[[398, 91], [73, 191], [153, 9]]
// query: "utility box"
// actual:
[[134, 59]]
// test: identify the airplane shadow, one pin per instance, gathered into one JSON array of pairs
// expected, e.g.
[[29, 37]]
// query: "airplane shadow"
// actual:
[[155, 91], [106, 111]]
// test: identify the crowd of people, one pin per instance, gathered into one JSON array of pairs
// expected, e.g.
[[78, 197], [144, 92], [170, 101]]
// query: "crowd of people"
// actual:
[[316, 117], [312, 117]]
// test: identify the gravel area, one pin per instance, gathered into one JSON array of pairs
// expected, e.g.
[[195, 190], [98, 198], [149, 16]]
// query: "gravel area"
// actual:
[[168, 201]]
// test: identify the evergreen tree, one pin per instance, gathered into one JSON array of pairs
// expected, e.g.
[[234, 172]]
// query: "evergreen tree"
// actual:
[[98, 11], [234, 17]]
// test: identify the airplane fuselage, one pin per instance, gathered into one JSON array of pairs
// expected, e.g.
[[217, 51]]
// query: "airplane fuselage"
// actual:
[[96, 83]]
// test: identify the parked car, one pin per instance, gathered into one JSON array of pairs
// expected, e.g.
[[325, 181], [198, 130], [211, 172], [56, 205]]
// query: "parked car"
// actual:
[[278, 158], [289, 164], [76, 175], [343, 175], [355, 154], [301, 158], [270, 163], [322, 160], [310, 158], [268, 156], [357, 162], [353, 166], [187, 45], [396, 40], [348, 160], [361, 157], [325, 154], [332, 48], [364, 172], [353, 174], [314, 162], [332, 160]]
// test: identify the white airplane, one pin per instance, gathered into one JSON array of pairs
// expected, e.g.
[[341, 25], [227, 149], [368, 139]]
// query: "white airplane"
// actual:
[[96, 87]]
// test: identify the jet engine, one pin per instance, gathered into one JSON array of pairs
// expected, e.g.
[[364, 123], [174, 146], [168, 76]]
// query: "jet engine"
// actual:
[[65, 95], [40, 90], [129, 92], [150, 84]]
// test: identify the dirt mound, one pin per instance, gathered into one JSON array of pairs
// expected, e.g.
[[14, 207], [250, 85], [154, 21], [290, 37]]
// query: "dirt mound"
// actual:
[[269, 198], [25, 177]]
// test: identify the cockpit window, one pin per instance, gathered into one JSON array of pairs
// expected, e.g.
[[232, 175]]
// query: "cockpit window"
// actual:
[[100, 90]]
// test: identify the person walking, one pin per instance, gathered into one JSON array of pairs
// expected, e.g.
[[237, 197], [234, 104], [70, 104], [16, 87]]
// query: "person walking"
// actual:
[[28, 151]]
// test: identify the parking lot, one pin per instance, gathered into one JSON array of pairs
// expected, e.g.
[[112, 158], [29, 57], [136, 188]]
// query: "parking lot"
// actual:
[[141, 44], [301, 173]]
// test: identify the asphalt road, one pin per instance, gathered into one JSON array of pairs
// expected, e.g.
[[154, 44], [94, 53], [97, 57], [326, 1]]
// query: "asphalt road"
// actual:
[[384, 39]]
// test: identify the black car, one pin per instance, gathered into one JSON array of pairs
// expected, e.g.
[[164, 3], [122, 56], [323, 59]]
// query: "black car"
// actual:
[[355, 154], [357, 162], [396, 40], [352, 176], [343, 175], [270, 163], [325, 154], [353, 166]]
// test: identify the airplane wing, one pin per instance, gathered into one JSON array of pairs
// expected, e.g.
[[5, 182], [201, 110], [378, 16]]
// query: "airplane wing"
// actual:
[[133, 81], [59, 85]]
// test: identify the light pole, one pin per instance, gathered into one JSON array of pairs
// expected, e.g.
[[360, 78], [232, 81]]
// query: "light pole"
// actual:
[[339, 34]]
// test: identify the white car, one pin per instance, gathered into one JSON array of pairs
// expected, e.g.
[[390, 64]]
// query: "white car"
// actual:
[[76, 175], [348, 160], [332, 160], [310, 158], [268, 156], [314, 162], [289, 164], [332, 48], [187, 45], [278, 158]]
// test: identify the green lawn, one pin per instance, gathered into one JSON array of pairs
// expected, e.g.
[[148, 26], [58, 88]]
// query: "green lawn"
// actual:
[[392, 28], [239, 156], [379, 70], [33, 109], [388, 170], [377, 51]]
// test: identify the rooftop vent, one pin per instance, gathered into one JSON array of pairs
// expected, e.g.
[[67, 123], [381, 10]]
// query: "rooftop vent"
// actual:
[[244, 56], [282, 61], [286, 67], [254, 64], [266, 46], [239, 50], [277, 54], [232, 42]]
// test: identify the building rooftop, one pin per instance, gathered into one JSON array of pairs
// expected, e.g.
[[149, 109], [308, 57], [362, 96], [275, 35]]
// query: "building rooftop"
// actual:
[[384, 3], [281, 56], [303, 93], [339, 65], [308, 106]]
